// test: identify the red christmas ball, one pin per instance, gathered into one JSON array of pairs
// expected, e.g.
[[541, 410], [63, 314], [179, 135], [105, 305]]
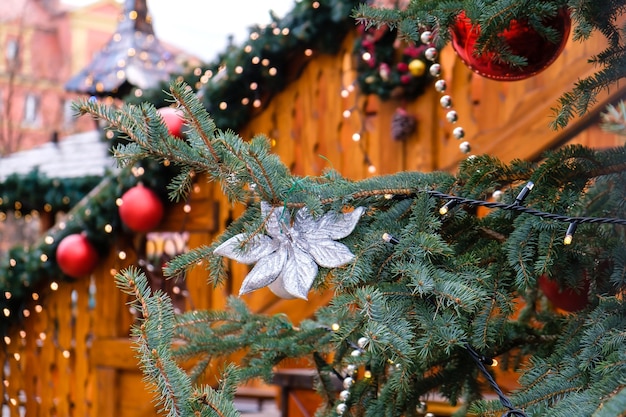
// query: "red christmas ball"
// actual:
[[568, 299], [173, 120], [141, 209], [76, 256], [522, 40]]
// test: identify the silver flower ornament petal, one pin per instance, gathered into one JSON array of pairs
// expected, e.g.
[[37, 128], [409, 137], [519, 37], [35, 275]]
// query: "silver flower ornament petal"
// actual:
[[247, 249], [328, 253], [297, 276], [331, 225], [265, 272], [274, 219]]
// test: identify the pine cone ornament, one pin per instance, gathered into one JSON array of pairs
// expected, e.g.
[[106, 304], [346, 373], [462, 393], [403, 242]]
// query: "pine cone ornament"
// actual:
[[403, 124]]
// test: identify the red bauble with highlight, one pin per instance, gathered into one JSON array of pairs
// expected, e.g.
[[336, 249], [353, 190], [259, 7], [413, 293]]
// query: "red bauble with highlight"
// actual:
[[568, 299], [76, 256], [173, 119], [522, 40], [141, 209]]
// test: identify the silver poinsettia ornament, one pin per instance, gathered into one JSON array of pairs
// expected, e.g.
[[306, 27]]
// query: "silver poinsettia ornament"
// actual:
[[287, 256]]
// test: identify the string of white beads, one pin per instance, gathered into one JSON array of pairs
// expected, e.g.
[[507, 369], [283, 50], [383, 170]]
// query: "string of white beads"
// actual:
[[441, 86], [349, 380]]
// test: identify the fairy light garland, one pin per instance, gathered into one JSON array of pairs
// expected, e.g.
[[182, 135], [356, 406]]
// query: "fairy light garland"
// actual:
[[359, 134], [452, 201], [573, 221]]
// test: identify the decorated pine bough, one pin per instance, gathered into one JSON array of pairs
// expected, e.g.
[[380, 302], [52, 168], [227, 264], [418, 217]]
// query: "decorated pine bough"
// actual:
[[421, 301]]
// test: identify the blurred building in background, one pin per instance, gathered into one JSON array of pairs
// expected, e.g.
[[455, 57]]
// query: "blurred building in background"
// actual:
[[45, 44]]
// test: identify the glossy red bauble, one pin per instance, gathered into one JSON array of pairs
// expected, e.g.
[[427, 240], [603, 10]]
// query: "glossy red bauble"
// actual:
[[568, 299], [76, 256], [522, 40], [173, 120], [141, 209]]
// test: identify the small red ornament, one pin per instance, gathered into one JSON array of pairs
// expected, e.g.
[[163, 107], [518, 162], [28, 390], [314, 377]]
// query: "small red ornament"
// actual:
[[522, 40], [173, 120], [76, 256], [568, 299], [141, 209]]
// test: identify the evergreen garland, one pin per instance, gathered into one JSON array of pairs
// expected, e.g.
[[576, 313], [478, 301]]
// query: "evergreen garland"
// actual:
[[28, 269], [35, 191]]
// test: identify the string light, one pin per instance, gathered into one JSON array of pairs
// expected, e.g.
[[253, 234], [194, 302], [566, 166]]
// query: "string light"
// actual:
[[447, 207], [524, 193], [480, 362], [569, 234], [357, 136], [390, 239]]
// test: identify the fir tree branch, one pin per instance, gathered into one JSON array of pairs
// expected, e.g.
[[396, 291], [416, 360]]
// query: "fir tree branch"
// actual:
[[153, 350], [153, 341]]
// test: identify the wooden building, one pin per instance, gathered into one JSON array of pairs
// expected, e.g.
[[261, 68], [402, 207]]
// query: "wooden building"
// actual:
[[73, 356]]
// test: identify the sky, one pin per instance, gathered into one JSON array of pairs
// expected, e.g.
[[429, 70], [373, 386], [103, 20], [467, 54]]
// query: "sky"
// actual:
[[202, 27]]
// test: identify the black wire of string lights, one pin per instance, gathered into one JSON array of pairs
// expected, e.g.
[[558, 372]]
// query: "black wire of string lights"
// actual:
[[573, 221], [481, 363], [453, 201], [517, 205]]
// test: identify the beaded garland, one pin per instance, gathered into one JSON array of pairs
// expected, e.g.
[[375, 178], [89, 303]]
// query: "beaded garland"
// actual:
[[350, 379], [431, 54]]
